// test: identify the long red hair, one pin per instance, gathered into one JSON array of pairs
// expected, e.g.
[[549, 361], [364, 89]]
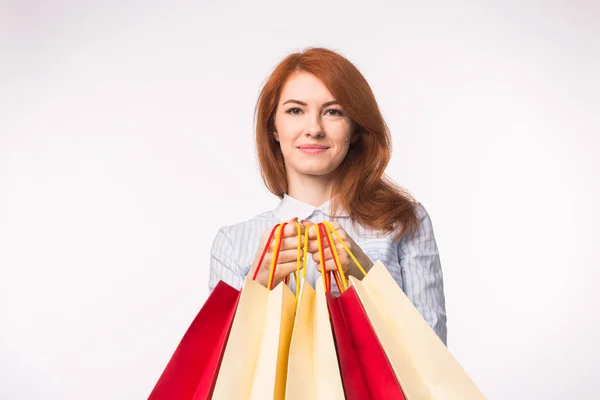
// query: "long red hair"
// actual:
[[370, 198]]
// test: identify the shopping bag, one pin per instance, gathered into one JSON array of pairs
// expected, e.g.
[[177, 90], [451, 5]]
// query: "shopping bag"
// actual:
[[366, 372], [423, 365], [191, 372], [254, 364], [313, 370]]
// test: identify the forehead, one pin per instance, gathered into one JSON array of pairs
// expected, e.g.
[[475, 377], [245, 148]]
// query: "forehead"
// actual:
[[305, 87]]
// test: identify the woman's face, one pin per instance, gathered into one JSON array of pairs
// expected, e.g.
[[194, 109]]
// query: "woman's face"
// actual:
[[312, 129]]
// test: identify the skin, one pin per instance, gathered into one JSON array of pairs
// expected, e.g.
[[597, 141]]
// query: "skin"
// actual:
[[308, 114]]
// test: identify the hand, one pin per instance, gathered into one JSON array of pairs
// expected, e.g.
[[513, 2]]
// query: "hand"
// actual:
[[288, 255], [348, 265]]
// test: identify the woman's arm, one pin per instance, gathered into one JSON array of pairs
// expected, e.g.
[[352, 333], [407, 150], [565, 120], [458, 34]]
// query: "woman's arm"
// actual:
[[223, 264], [422, 273]]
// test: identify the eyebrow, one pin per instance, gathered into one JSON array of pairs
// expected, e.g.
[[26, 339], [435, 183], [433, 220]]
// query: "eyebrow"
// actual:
[[329, 103]]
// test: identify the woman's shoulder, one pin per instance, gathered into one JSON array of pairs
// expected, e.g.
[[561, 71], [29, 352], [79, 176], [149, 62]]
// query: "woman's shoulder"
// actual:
[[423, 226], [420, 210]]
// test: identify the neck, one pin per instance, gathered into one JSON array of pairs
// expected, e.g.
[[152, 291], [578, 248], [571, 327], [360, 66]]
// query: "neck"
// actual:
[[310, 189]]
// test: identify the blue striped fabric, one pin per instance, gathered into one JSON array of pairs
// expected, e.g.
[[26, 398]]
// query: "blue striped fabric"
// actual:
[[413, 261]]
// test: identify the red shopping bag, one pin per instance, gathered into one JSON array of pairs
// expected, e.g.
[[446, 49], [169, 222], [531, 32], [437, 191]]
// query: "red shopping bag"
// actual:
[[350, 366], [366, 371], [192, 371]]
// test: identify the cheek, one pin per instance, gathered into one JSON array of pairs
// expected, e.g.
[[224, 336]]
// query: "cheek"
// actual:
[[340, 133], [287, 130]]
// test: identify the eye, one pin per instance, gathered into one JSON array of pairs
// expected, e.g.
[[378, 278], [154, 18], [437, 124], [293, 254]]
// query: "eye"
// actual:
[[334, 112], [294, 111]]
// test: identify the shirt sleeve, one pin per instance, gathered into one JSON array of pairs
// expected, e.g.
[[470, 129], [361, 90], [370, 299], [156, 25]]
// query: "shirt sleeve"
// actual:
[[223, 264], [422, 273]]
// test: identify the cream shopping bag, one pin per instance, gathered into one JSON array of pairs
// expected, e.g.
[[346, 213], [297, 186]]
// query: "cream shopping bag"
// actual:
[[254, 364], [422, 363], [313, 369]]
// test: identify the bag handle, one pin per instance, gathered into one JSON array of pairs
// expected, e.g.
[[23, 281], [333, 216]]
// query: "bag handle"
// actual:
[[278, 243], [262, 257], [340, 272], [299, 262], [327, 276], [327, 229], [332, 229]]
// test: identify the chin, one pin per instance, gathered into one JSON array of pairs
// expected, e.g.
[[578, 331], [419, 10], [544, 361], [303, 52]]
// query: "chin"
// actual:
[[314, 167], [315, 171]]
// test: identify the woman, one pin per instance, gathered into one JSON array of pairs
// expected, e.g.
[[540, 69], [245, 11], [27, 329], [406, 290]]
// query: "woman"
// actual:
[[323, 147]]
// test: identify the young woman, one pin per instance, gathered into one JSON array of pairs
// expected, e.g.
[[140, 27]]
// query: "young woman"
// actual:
[[323, 147]]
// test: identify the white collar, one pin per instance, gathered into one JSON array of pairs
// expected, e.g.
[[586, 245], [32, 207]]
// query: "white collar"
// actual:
[[289, 208]]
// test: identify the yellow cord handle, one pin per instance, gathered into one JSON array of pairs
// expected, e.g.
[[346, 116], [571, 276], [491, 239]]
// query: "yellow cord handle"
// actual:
[[299, 261], [275, 255], [320, 244], [305, 258], [336, 259], [328, 230], [331, 229], [299, 257]]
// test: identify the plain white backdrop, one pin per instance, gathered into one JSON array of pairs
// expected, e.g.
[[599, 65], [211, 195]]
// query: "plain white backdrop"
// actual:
[[126, 141]]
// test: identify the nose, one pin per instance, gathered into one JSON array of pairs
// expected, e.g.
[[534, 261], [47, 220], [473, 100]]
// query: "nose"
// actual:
[[314, 128]]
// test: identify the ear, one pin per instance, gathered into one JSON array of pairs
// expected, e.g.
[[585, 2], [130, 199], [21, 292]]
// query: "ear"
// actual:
[[276, 136]]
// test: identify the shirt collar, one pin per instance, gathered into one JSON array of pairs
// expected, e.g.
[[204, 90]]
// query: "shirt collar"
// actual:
[[289, 208]]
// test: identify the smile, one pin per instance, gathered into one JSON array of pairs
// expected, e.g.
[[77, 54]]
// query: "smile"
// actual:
[[312, 149]]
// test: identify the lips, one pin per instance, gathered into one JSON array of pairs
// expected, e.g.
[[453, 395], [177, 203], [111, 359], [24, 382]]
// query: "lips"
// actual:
[[312, 148]]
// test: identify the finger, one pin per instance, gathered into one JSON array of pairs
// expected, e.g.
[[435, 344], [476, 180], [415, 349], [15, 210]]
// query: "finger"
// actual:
[[285, 269], [311, 227], [342, 257], [288, 256], [282, 270], [283, 257], [291, 229], [313, 245], [317, 255], [339, 230], [329, 266], [286, 244], [312, 231]]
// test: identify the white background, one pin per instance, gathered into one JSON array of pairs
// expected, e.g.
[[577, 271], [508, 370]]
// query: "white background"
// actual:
[[126, 141]]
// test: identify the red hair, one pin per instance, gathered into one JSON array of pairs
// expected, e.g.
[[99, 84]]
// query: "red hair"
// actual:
[[370, 198]]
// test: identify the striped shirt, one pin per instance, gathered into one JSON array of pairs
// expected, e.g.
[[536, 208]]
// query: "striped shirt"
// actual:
[[413, 261]]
